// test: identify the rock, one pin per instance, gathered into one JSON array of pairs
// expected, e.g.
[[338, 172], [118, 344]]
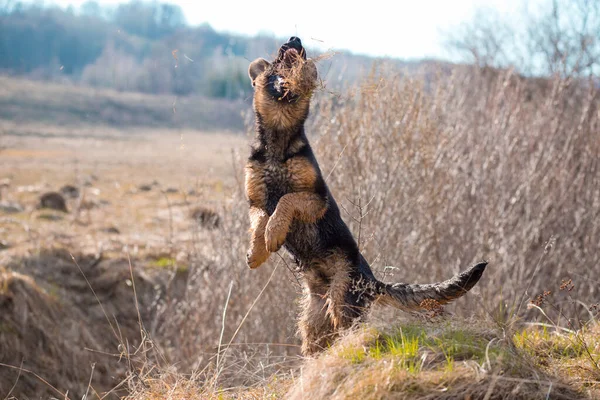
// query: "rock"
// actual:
[[207, 218], [70, 191], [53, 201], [10, 208], [88, 204], [111, 229]]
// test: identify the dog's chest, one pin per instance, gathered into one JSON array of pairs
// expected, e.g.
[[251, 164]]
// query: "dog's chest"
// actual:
[[278, 182]]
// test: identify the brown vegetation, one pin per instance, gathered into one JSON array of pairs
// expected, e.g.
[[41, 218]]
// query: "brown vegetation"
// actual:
[[442, 172], [466, 166], [102, 110], [66, 331]]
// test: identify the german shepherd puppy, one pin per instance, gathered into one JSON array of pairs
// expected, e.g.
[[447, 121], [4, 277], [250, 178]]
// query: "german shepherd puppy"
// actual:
[[291, 206]]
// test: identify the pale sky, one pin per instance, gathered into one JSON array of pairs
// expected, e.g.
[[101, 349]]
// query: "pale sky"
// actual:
[[406, 29]]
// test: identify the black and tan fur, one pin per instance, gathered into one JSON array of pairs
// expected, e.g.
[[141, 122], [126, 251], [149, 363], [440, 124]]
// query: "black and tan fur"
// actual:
[[291, 206]]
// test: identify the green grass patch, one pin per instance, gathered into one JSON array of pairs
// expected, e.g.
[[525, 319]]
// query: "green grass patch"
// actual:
[[168, 263], [540, 341], [409, 346], [402, 346], [460, 344], [50, 217], [354, 354], [445, 359]]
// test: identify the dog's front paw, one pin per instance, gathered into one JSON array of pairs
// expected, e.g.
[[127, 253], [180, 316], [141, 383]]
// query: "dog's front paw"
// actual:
[[256, 256], [275, 233]]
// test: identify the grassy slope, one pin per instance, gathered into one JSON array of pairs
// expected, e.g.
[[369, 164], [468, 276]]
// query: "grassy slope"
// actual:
[[430, 360], [24, 100]]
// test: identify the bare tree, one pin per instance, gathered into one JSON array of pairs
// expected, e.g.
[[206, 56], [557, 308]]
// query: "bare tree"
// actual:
[[484, 40], [560, 37], [566, 37]]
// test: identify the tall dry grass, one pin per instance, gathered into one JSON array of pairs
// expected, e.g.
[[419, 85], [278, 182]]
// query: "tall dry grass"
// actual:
[[433, 171], [230, 325], [441, 169]]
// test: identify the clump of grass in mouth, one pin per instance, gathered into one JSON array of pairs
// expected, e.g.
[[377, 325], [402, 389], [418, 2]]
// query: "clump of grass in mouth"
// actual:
[[299, 75]]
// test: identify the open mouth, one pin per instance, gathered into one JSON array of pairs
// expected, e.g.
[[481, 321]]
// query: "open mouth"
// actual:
[[290, 56], [289, 60], [291, 51]]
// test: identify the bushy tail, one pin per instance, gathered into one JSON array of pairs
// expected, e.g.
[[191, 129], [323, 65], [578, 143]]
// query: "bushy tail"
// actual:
[[410, 297]]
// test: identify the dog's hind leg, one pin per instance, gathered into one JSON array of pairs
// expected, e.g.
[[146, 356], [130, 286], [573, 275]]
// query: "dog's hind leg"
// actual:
[[337, 268], [315, 327]]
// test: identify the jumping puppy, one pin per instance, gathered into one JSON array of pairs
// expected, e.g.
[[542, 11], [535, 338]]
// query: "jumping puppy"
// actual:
[[291, 206]]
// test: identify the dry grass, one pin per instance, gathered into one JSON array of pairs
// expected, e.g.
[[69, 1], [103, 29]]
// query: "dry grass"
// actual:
[[570, 355], [441, 359], [193, 266], [23, 101], [436, 360], [176, 386], [432, 172], [52, 323], [300, 76]]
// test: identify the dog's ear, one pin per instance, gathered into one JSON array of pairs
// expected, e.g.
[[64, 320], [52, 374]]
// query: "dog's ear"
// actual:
[[256, 68]]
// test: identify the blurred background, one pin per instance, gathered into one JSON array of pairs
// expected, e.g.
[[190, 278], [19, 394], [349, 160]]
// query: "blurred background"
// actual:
[[187, 49], [449, 132]]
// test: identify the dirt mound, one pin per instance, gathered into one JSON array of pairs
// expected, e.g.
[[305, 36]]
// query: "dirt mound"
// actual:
[[52, 324], [38, 331], [447, 360]]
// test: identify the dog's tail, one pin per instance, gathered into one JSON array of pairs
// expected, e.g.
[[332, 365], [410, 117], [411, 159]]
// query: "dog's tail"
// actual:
[[410, 297]]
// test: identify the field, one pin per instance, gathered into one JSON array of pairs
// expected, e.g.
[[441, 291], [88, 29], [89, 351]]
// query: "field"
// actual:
[[141, 291]]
